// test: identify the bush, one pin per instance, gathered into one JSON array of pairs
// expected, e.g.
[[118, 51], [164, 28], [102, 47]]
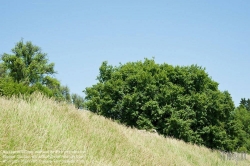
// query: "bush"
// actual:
[[8, 88]]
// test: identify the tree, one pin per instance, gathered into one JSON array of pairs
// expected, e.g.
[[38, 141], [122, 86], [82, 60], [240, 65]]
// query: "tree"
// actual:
[[65, 92], [246, 103], [28, 70], [78, 101], [181, 101], [27, 64], [2, 71], [241, 117]]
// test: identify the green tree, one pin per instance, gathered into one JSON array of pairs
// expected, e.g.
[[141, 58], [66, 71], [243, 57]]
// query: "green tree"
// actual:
[[181, 101], [246, 103], [242, 119], [28, 70], [78, 101], [2, 71], [65, 92], [27, 64]]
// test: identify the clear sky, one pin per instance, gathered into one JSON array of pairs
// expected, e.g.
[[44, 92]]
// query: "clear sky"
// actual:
[[78, 35]]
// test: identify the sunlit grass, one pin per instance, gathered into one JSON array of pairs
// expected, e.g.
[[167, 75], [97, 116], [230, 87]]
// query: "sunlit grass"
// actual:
[[42, 125]]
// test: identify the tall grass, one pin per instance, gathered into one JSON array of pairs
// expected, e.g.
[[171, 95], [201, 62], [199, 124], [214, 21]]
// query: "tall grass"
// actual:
[[44, 127]]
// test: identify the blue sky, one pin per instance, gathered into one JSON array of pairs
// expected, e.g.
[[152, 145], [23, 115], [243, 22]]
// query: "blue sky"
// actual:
[[79, 35]]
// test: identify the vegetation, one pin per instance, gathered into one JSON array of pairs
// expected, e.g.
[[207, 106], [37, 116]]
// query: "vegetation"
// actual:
[[38, 124], [27, 64], [181, 102], [78, 101], [28, 70], [242, 123], [246, 103]]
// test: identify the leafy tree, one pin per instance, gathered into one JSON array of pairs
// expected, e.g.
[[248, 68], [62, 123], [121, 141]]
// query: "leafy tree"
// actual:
[[246, 103], [28, 70], [61, 93], [78, 101], [242, 118], [27, 64], [2, 71], [181, 101], [51, 83], [65, 92]]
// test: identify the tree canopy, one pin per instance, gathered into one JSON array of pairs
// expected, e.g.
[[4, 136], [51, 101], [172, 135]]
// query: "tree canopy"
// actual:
[[27, 64], [27, 70], [246, 103], [179, 101], [78, 101]]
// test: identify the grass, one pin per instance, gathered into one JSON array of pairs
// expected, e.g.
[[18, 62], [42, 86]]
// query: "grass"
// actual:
[[58, 134]]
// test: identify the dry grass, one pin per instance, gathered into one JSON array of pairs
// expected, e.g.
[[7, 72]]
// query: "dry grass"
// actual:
[[49, 130]]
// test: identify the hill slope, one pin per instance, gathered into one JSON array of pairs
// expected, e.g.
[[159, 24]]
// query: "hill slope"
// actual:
[[58, 134]]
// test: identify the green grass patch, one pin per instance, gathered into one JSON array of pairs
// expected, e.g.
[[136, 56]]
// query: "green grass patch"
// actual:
[[40, 131]]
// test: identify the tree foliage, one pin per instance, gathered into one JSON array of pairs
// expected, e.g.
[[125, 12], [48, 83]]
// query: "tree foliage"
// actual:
[[242, 119], [28, 70], [8, 88], [246, 103], [27, 64], [78, 101], [181, 101]]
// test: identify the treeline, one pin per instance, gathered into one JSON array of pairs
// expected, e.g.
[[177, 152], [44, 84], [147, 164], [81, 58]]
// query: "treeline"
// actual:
[[178, 101], [28, 70]]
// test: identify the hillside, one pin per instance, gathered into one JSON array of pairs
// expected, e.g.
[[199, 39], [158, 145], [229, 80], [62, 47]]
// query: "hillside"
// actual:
[[58, 134]]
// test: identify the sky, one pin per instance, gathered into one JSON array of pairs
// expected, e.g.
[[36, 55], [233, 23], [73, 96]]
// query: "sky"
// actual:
[[79, 35]]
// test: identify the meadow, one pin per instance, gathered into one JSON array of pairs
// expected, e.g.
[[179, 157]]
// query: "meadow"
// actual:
[[36, 130]]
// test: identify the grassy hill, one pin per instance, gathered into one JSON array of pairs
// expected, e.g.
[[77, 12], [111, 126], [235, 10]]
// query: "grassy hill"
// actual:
[[40, 131]]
